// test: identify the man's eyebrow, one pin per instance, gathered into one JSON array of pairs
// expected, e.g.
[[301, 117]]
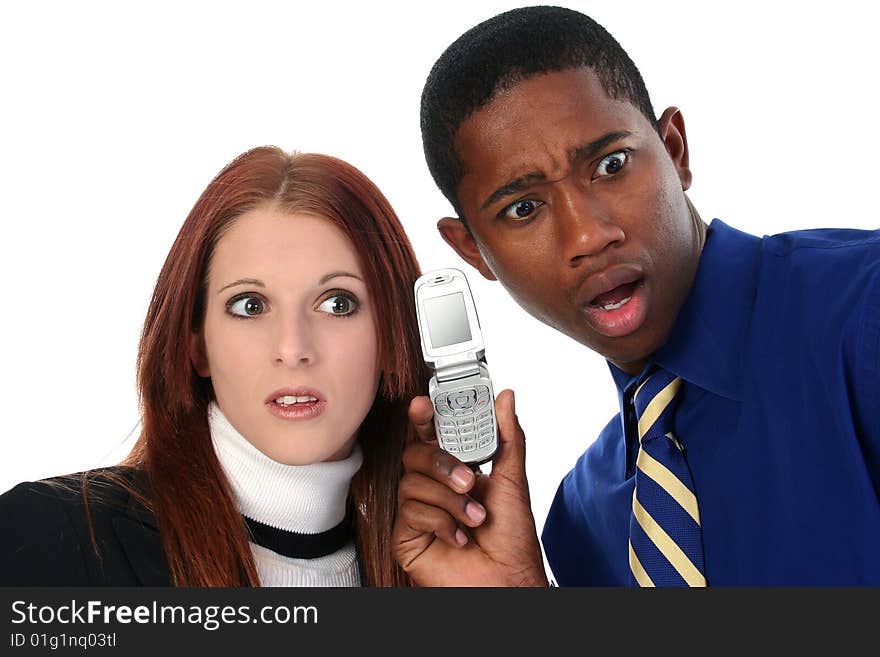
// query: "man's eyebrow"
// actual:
[[334, 274], [512, 187], [243, 281], [585, 152], [591, 150]]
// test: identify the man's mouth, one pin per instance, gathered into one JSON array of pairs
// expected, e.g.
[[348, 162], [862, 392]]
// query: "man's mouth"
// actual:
[[616, 298], [618, 311]]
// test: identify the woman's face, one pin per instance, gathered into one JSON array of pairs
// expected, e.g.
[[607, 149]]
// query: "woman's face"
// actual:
[[289, 340]]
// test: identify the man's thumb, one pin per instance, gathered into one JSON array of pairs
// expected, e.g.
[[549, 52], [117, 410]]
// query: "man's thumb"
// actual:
[[510, 460]]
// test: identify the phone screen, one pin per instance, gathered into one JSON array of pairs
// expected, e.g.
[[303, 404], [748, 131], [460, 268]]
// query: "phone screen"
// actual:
[[447, 320]]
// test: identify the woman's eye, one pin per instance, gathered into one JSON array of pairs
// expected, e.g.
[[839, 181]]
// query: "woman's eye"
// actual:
[[338, 304], [247, 306], [521, 209], [611, 164]]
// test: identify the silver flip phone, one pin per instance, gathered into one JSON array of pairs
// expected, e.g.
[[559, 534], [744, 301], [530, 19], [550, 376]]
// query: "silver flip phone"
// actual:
[[460, 389]]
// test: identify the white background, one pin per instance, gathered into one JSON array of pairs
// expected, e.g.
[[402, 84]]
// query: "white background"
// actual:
[[114, 117]]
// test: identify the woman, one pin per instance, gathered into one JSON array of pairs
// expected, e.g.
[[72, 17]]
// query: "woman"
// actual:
[[278, 357]]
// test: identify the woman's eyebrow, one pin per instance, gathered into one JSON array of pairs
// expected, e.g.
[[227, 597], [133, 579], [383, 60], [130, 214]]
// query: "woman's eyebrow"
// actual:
[[258, 283], [243, 281], [334, 274]]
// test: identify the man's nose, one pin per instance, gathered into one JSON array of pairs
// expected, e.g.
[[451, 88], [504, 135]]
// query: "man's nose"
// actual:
[[584, 226]]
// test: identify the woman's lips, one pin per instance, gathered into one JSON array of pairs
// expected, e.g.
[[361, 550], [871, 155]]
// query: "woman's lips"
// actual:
[[619, 311], [296, 403], [299, 411]]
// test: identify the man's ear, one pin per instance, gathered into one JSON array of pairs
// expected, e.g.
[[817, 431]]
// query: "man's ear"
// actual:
[[671, 126], [459, 238], [198, 354]]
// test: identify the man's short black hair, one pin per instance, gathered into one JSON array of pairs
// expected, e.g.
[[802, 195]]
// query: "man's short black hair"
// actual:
[[507, 49]]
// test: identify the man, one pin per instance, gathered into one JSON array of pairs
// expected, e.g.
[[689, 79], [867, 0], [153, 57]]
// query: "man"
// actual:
[[747, 448]]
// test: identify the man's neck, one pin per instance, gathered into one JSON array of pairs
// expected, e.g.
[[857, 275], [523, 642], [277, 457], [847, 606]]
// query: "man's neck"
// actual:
[[636, 366]]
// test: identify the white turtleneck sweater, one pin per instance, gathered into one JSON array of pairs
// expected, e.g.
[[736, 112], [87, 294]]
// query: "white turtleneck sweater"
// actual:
[[308, 499]]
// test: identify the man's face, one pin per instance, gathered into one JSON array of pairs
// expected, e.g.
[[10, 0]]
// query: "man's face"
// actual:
[[577, 206]]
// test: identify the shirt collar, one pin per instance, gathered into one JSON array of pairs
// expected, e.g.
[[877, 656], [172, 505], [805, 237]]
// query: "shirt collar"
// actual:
[[707, 341]]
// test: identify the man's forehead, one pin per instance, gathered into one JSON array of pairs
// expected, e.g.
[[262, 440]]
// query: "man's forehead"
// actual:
[[537, 124], [536, 102]]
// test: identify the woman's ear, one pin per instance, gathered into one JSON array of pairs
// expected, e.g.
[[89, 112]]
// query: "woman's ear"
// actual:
[[198, 354]]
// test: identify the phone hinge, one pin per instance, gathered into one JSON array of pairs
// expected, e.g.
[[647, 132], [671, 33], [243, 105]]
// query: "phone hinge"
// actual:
[[456, 369]]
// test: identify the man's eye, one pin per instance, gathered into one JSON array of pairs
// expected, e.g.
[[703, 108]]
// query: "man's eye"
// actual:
[[339, 304], [611, 164], [521, 209], [247, 306]]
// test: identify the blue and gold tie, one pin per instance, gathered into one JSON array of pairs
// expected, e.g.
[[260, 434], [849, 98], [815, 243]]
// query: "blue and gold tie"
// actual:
[[665, 535]]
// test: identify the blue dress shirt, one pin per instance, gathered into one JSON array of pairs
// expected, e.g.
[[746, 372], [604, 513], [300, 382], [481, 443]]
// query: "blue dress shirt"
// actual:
[[779, 348]]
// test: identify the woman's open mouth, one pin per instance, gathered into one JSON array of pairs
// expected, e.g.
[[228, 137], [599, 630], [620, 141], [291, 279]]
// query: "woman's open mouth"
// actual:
[[296, 404]]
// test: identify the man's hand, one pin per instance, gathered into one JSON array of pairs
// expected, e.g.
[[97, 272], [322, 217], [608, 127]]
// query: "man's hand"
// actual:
[[458, 528]]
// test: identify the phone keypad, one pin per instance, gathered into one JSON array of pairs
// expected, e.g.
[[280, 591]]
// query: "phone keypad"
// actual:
[[465, 419]]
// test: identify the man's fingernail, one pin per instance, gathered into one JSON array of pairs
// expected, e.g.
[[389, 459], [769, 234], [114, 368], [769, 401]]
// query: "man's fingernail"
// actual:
[[460, 537], [475, 511], [461, 476]]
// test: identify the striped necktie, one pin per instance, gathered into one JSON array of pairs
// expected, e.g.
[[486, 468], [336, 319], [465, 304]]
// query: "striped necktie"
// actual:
[[665, 536]]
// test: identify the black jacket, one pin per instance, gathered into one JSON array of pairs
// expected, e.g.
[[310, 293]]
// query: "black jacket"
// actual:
[[45, 539]]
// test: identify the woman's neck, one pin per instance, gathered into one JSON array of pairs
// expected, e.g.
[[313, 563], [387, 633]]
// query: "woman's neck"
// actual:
[[308, 499]]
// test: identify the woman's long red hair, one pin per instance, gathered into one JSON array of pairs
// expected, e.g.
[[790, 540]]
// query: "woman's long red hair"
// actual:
[[203, 533]]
